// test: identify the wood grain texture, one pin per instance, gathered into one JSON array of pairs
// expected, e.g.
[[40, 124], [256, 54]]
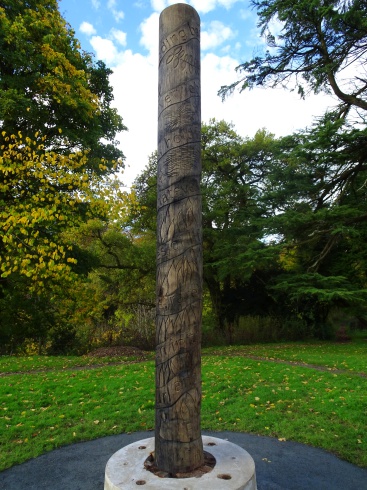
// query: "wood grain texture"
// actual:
[[178, 444]]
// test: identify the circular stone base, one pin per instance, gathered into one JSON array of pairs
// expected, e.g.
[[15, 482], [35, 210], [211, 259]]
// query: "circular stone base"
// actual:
[[234, 469]]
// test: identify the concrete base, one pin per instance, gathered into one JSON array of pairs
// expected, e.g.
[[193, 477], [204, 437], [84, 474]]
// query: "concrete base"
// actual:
[[234, 469]]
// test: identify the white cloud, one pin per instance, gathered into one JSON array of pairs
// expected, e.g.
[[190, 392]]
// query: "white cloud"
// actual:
[[150, 33], [118, 36], [105, 49], [135, 83], [202, 6], [215, 35], [228, 3], [136, 98], [246, 14], [255, 40], [159, 5], [226, 49], [87, 28], [96, 4], [279, 111], [118, 14]]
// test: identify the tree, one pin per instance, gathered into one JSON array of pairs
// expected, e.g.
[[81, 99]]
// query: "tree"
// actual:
[[44, 197], [319, 219], [41, 195], [311, 297], [119, 292], [284, 222], [237, 260], [322, 175], [318, 186], [58, 146], [319, 46], [54, 111], [47, 83]]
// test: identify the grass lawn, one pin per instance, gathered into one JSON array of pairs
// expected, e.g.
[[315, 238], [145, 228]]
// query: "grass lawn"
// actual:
[[350, 356], [15, 364], [61, 405]]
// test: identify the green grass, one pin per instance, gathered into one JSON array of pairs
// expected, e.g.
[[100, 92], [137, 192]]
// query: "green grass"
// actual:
[[40, 412], [293, 403], [45, 410], [349, 356], [14, 364]]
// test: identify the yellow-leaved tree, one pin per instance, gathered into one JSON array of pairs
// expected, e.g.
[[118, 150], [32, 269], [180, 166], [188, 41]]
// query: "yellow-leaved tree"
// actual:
[[58, 152], [42, 194]]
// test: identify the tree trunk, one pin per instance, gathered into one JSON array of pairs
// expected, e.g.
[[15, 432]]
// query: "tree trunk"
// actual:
[[178, 444], [216, 300]]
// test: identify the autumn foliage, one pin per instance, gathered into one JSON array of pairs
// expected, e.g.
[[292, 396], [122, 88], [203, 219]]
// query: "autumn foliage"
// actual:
[[42, 193]]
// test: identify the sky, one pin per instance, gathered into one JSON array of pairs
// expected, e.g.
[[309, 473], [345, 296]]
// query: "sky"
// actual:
[[125, 36]]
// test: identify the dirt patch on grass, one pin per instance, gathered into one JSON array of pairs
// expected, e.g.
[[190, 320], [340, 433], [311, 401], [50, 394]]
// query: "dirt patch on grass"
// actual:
[[118, 351]]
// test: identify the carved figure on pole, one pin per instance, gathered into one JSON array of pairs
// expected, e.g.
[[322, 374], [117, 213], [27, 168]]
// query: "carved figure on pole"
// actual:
[[178, 443]]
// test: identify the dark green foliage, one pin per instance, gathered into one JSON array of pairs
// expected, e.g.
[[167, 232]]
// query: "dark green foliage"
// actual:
[[23, 316], [311, 47], [48, 84], [320, 220], [234, 252], [284, 227], [236, 259]]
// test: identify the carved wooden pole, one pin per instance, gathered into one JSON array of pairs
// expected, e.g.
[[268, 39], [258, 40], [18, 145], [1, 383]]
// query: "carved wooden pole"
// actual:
[[178, 443]]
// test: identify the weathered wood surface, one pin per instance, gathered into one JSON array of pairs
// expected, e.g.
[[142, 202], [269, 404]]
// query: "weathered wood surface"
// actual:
[[178, 443]]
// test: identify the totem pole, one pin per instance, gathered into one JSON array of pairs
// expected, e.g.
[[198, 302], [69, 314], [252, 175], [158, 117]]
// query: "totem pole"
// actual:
[[175, 458], [178, 442]]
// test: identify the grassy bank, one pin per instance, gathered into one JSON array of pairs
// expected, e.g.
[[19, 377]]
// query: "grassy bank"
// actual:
[[325, 407]]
